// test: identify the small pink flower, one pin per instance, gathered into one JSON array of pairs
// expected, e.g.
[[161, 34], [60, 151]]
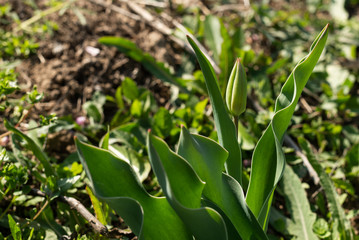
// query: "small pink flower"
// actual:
[[4, 141], [81, 120]]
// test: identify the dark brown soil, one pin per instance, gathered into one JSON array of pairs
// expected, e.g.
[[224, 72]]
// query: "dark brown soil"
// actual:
[[68, 75]]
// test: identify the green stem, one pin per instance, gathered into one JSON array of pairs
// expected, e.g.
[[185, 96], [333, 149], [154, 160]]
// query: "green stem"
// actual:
[[4, 193], [8, 207], [235, 120]]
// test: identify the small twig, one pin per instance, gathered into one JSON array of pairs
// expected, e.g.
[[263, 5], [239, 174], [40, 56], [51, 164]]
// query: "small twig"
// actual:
[[289, 141], [148, 3], [149, 18], [117, 9], [306, 105], [81, 209], [313, 95], [316, 193], [94, 222], [38, 192], [231, 7], [41, 210], [203, 7]]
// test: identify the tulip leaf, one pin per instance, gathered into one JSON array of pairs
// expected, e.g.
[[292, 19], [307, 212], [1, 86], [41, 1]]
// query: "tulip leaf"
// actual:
[[268, 159], [207, 158], [175, 176], [225, 127], [115, 182]]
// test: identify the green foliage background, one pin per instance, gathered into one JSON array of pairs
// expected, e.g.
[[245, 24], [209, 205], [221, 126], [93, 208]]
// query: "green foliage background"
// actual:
[[270, 41]]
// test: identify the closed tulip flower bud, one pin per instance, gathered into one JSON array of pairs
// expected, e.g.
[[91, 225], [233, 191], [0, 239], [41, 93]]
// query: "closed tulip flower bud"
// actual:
[[236, 93]]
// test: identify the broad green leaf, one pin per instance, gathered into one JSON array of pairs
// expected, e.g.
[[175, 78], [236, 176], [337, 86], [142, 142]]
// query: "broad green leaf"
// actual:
[[105, 140], [225, 127], [212, 35], [207, 158], [128, 135], [39, 154], [114, 181], [321, 228], [268, 160], [94, 107], [14, 228], [125, 145], [279, 222], [34, 201], [17, 150], [201, 106], [136, 108], [93, 111], [183, 189], [162, 122], [298, 206], [139, 163], [129, 89], [119, 99], [352, 157], [336, 210], [65, 184], [131, 50], [345, 185]]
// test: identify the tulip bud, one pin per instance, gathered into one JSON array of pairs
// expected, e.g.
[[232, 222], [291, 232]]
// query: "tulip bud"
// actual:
[[236, 93]]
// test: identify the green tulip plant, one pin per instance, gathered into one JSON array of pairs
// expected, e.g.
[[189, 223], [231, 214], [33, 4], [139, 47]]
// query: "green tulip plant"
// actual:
[[202, 180]]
